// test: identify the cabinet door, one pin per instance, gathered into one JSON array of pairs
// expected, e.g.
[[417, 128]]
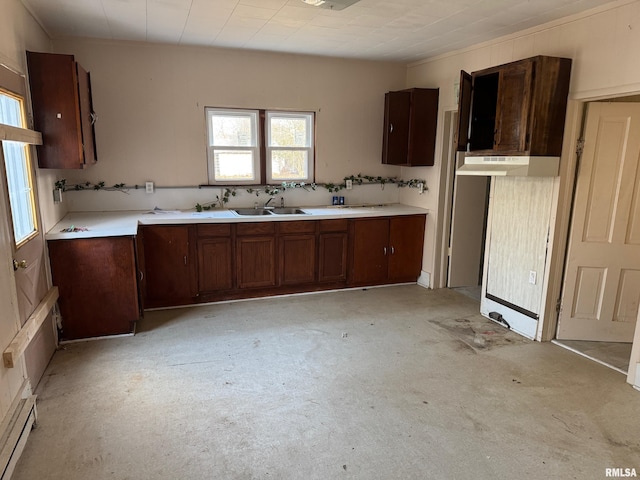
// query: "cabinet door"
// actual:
[[87, 116], [170, 271], [369, 251], [214, 264], [332, 257], [395, 139], [406, 238], [97, 282], [514, 103], [297, 259], [256, 261], [464, 111]]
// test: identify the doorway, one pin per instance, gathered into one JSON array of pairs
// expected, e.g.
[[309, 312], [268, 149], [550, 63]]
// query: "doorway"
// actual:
[[601, 288], [465, 225]]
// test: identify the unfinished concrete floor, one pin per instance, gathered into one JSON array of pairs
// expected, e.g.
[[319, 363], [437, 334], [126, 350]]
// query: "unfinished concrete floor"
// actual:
[[374, 384]]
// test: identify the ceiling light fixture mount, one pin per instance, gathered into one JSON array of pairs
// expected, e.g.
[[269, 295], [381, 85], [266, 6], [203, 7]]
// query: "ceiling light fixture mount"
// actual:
[[331, 4]]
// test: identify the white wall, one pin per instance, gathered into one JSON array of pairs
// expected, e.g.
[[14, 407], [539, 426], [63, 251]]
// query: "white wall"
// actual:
[[150, 101], [603, 44], [18, 31]]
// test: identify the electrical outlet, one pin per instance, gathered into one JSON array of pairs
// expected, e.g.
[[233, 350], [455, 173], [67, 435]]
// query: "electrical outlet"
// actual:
[[532, 277], [57, 195], [148, 187], [349, 184], [420, 188]]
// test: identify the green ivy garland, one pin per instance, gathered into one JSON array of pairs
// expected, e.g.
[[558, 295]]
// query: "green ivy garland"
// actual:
[[270, 190]]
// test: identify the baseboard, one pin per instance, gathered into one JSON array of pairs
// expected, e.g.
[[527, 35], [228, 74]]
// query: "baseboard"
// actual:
[[14, 434], [424, 280]]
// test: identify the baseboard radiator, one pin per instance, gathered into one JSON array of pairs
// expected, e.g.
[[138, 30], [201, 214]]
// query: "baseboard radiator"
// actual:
[[16, 429]]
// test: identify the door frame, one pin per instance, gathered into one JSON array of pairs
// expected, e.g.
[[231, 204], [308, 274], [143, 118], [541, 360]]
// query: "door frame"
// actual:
[[561, 222]]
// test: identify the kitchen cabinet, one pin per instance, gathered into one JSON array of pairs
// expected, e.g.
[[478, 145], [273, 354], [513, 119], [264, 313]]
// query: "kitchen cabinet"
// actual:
[[410, 118], [514, 109], [297, 252], [332, 250], [215, 254], [256, 255], [386, 250], [97, 279], [62, 110], [170, 264]]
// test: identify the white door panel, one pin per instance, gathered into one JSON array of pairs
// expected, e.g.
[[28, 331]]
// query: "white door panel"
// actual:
[[602, 279]]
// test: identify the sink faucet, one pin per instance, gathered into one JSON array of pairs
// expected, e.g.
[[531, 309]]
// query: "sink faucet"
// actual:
[[267, 202]]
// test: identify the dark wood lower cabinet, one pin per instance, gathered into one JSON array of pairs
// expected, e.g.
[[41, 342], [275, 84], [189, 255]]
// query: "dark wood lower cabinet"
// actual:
[[170, 267], [386, 250], [97, 279], [256, 262], [215, 258], [297, 259]]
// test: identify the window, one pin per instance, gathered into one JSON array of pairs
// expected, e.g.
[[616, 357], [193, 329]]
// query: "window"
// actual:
[[17, 164], [258, 146], [289, 147]]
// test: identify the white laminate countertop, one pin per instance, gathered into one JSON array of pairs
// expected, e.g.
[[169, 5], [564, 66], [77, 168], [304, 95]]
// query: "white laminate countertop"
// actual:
[[124, 223]]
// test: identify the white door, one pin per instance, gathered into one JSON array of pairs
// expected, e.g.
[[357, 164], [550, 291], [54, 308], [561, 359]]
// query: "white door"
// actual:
[[468, 216], [602, 274], [11, 379]]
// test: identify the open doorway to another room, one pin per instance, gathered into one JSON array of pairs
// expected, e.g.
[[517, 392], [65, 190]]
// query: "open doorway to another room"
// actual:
[[465, 220]]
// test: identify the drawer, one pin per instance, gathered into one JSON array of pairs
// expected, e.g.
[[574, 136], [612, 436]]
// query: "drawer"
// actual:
[[258, 228], [304, 226], [218, 230], [337, 225]]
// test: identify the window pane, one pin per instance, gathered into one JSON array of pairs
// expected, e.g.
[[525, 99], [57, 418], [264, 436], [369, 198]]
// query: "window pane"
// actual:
[[10, 111], [289, 131], [289, 164], [232, 130], [230, 165], [20, 192]]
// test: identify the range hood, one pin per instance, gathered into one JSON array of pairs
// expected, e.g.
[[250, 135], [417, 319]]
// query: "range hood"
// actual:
[[514, 166]]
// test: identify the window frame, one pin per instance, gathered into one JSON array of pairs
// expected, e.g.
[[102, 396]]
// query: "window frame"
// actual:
[[28, 167], [309, 118], [254, 115], [263, 164]]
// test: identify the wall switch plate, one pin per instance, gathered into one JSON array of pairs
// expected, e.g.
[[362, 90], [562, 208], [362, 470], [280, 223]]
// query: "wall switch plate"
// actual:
[[148, 187], [57, 195], [349, 184], [532, 277]]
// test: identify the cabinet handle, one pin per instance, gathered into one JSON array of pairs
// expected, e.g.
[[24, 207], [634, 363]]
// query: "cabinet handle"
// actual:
[[141, 276], [391, 128], [185, 259], [384, 249], [393, 250]]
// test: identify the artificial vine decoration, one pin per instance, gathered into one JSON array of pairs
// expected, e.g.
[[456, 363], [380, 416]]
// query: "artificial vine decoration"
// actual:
[[270, 190], [119, 187]]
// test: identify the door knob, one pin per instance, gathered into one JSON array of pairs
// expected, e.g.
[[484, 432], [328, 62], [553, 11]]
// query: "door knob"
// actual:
[[19, 264]]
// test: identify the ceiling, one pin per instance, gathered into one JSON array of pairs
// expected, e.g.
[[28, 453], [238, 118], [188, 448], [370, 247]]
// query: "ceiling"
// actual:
[[392, 30]]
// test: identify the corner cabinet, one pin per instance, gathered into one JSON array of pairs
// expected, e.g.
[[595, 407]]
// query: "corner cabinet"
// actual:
[[170, 265], [62, 111], [514, 109], [410, 118], [97, 278], [386, 250]]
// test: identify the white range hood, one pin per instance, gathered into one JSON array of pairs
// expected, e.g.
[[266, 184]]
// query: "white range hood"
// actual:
[[515, 166]]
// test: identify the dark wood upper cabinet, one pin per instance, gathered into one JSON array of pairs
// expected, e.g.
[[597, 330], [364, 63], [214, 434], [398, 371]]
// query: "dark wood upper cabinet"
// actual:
[[410, 118], [514, 109], [62, 110]]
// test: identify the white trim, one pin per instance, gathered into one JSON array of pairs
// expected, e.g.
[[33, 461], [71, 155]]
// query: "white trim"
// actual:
[[425, 279]]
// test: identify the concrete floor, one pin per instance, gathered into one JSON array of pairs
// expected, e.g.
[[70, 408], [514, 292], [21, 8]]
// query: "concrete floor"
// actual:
[[366, 384]]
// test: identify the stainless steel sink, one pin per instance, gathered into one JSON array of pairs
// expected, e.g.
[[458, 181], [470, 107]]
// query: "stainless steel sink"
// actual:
[[252, 211], [288, 211]]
